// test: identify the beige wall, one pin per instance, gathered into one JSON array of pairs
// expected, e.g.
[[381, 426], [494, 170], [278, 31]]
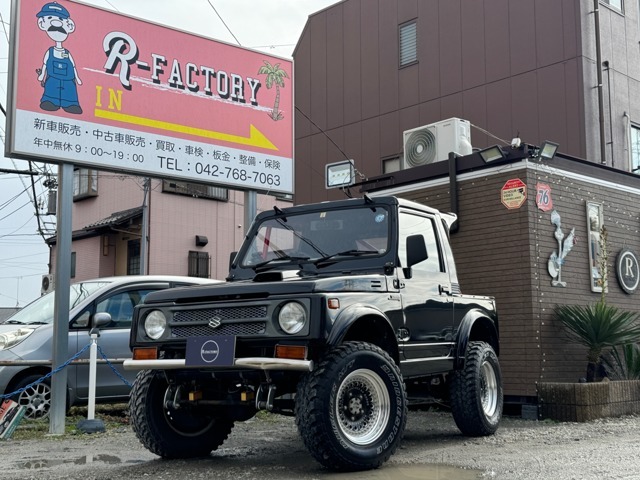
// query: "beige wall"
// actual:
[[174, 222]]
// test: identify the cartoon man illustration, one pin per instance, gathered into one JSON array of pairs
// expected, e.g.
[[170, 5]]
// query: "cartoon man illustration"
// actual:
[[58, 75]]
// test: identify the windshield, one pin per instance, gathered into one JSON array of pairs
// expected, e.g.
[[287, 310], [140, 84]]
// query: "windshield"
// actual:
[[40, 311], [317, 236]]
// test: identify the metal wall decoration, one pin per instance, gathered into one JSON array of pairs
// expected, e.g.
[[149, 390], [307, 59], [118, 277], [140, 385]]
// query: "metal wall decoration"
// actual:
[[556, 260], [627, 270], [595, 227]]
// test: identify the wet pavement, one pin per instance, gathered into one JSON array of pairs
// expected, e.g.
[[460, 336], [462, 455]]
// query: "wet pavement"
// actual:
[[270, 448]]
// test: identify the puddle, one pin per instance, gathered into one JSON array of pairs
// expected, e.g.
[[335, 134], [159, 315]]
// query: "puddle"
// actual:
[[48, 463], [411, 472]]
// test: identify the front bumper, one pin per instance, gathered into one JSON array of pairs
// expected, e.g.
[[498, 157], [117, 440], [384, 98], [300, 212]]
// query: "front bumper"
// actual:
[[253, 363]]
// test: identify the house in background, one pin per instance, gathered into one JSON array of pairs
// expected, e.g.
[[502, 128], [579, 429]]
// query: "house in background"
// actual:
[[368, 70], [193, 228]]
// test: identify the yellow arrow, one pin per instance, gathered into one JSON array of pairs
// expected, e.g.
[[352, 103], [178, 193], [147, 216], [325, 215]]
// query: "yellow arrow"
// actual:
[[255, 138]]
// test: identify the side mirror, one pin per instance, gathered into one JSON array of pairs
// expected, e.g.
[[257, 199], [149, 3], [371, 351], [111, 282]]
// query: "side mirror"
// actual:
[[416, 250], [99, 320]]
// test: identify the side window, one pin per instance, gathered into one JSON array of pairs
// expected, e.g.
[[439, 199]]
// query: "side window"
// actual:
[[120, 307], [82, 320], [411, 224]]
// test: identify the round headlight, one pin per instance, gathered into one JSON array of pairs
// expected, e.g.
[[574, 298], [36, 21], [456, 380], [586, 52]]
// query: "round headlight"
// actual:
[[155, 324], [292, 317]]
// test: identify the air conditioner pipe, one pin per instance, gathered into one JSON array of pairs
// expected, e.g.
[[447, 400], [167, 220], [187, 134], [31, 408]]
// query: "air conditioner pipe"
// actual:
[[453, 189]]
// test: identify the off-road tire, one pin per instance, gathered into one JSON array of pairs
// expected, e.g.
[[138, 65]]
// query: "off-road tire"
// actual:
[[476, 392], [169, 433], [351, 410]]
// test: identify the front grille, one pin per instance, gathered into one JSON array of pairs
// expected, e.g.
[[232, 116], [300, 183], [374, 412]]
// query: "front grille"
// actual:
[[238, 329], [225, 313], [238, 321]]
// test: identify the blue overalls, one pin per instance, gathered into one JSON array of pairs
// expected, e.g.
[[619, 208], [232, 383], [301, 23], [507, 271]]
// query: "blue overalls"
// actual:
[[60, 86]]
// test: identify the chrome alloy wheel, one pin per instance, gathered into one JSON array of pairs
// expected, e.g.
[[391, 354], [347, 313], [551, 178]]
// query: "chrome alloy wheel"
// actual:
[[362, 407], [488, 389], [37, 399]]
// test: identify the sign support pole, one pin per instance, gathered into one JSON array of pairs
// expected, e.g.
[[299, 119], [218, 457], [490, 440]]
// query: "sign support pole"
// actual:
[[61, 300], [250, 208]]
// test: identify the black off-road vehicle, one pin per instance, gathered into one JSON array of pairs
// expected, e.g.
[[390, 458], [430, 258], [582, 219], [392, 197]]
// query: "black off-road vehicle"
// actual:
[[340, 313]]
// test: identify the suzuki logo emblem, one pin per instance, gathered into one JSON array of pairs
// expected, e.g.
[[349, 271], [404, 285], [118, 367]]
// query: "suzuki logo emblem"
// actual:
[[215, 322]]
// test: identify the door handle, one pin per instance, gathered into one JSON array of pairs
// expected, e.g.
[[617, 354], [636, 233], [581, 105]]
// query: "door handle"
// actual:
[[444, 289]]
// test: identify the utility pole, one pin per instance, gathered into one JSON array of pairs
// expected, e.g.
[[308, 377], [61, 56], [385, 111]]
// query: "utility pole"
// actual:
[[145, 229]]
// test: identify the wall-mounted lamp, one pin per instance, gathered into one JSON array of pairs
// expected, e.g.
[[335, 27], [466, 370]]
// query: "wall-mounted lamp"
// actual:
[[548, 150], [201, 240], [492, 154]]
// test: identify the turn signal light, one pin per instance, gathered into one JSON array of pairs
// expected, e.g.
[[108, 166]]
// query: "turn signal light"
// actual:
[[296, 352], [145, 353]]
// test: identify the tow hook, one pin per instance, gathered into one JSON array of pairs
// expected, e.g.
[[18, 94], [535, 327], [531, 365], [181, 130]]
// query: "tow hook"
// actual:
[[172, 403], [264, 397]]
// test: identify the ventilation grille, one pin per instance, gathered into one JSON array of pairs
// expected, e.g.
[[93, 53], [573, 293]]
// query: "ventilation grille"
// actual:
[[420, 148]]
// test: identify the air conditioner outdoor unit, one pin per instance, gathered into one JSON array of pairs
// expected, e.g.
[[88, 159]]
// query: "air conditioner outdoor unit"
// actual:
[[47, 285], [433, 143]]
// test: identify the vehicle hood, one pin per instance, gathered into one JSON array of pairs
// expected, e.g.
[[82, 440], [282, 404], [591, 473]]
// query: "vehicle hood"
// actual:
[[10, 327], [273, 283]]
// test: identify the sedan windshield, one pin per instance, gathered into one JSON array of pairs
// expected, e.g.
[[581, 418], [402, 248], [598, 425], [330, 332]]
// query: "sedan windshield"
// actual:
[[40, 311], [318, 236]]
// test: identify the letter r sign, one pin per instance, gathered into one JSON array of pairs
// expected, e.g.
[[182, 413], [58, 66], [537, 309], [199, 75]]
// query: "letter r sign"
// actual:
[[627, 270]]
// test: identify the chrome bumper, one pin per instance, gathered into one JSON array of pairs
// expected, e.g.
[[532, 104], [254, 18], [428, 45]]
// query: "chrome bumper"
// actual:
[[254, 363]]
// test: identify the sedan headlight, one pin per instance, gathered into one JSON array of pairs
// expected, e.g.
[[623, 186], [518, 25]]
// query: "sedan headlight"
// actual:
[[13, 338], [155, 324], [292, 317]]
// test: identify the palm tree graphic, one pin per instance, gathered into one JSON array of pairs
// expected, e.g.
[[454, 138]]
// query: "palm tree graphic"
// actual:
[[275, 75]]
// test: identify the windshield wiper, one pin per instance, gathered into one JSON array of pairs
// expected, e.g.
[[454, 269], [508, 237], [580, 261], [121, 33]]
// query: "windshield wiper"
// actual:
[[347, 253], [14, 322], [261, 266]]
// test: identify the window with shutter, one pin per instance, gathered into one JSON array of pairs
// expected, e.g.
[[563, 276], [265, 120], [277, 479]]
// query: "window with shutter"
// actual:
[[199, 264], [408, 44]]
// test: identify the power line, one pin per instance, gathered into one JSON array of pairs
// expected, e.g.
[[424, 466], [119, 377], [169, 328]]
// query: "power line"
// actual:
[[224, 23], [322, 131], [112, 6], [16, 210], [4, 24], [33, 190]]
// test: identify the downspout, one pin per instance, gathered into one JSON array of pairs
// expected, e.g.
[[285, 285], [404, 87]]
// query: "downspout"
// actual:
[[627, 144], [453, 190], [608, 67], [603, 151]]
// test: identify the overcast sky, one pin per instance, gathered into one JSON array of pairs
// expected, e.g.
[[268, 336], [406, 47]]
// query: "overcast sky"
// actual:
[[272, 26]]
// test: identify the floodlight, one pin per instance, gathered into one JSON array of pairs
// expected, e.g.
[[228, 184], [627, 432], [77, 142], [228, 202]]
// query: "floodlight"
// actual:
[[548, 150], [492, 154], [340, 174]]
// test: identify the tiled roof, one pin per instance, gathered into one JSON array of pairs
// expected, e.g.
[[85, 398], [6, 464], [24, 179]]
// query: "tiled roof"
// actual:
[[115, 218]]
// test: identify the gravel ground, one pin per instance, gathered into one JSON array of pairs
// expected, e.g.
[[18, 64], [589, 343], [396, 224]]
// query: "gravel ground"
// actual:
[[270, 448]]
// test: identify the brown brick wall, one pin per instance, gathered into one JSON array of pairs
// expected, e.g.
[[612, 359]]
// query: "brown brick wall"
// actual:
[[504, 253]]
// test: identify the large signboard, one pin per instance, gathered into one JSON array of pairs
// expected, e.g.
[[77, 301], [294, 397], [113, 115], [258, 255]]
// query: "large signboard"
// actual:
[[98, 89]]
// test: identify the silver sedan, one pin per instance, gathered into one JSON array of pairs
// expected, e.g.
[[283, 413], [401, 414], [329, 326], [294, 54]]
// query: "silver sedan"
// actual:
[[28, 336]]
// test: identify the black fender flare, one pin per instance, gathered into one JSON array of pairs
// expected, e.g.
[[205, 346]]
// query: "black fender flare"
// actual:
[[488, 328], [346, 320]]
